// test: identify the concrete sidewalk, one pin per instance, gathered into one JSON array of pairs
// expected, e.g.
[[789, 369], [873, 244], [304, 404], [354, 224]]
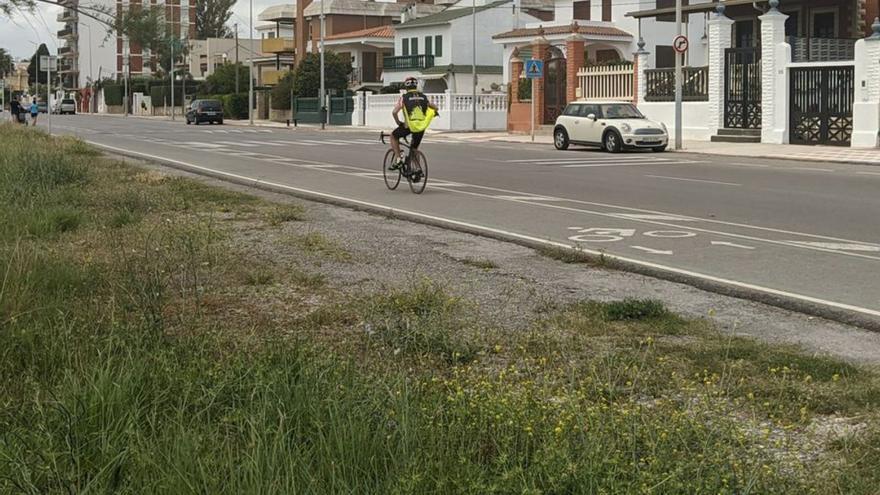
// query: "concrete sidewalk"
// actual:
[[775, 151]]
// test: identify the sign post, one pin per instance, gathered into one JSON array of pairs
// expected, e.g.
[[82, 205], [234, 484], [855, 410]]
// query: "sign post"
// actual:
[[49, 62], [534, 70], [680, 45]]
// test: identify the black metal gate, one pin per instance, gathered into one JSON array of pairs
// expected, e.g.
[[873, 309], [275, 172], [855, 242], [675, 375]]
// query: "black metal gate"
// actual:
[[822, 105], [742, 92]]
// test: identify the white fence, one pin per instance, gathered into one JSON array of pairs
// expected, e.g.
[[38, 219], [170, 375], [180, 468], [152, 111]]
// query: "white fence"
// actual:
[[456, 111], [607, 82]]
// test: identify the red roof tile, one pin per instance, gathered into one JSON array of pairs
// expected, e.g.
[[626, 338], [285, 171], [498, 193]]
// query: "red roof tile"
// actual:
[[585, 30], [376, 32]]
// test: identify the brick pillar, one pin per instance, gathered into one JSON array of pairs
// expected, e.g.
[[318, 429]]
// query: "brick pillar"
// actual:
[[574, 54], [720, 35], [866, 109], [516, 69], [775, 56], [540, 51]]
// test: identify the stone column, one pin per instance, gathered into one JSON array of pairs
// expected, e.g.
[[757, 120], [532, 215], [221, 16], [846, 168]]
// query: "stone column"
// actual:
[[540, 51], [574, 51], [775, 57], [641, 63], [720, 32], [516, 69], [866, 109]]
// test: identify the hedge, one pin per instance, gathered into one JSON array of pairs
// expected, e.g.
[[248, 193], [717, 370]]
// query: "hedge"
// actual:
[[161, 95], [113, 94], [235, 105]]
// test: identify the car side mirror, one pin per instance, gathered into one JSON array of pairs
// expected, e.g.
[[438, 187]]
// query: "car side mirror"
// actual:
[[592, 117]]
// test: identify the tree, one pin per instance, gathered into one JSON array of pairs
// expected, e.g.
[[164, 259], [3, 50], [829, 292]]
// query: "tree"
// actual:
[[37, 74], [222, 81], [7, 64], [307, 75], [211, 18], [8, 6]]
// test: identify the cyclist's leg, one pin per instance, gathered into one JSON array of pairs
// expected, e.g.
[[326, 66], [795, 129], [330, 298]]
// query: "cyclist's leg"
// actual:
[[398, 134], [417, 139]]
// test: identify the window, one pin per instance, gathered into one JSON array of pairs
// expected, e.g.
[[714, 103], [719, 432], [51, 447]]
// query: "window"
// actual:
[[438, 46], [587, 110], [606, 10], [581, 11], [405, 47], [744, 36], [824, 25], [414, 46], [664, 57], [792, 25], [428, 45]]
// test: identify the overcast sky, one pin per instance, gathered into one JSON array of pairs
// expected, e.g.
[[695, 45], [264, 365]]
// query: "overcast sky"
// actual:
[[21, 33]]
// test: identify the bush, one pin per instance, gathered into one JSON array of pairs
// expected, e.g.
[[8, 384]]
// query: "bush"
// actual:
[[113, 94], [235, 106], [525, 90], [281, 93]]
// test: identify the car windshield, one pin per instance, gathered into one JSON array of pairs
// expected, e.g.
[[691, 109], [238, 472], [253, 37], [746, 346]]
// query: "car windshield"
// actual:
[[621, 111], [67, 102]]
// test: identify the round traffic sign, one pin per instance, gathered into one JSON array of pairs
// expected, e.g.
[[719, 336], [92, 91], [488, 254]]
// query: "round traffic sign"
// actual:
[[680, 43]]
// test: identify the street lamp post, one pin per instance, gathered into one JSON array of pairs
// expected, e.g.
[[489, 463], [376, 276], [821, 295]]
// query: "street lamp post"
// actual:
[[325, 116], [91, 75], [251, 69], [474, 60], [172, 78]]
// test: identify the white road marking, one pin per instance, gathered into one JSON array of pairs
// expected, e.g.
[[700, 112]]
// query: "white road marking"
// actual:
[[529, 198], [694, 180], [755, 165], [324, 142], [652, 251], [810, 169], [842, 247], [670, 234], [673, 218], [868, 173], [237, 143], [263, 143], [731, 244], [627, 164], [195, 144], [283, 141]]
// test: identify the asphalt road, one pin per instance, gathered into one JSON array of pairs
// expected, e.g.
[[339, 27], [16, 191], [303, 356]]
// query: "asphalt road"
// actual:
[[808, 232]]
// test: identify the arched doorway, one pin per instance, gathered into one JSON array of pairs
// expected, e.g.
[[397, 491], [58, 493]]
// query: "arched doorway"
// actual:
[[554, 86]]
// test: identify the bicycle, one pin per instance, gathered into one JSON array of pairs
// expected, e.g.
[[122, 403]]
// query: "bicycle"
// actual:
[[415, 167]]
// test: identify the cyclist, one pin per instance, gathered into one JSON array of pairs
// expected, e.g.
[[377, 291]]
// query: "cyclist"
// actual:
[[415, 107]]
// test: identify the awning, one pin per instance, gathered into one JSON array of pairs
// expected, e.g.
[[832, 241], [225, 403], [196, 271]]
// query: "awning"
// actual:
[[426, 77], [691, 9]]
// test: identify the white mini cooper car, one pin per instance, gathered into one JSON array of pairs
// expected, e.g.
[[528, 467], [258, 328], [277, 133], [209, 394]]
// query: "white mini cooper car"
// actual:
[[613, 126]]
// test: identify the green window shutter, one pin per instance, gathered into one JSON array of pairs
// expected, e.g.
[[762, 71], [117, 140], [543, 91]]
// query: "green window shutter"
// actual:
[[414, 46], [438, 46], [405, 47], [428, 45]]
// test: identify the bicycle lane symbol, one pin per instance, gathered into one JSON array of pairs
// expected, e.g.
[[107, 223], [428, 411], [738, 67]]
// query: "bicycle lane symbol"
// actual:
[[610, 235]]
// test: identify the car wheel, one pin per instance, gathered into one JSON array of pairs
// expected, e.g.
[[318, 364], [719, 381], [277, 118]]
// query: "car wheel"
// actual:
[[188, 122], [660, 149], [611, 142], [220, 122], [560, 139]]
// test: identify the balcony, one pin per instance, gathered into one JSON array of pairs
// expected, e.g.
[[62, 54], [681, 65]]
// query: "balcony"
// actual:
[[66, 15], [68, 68], [277, 45], [67, 33], [408, 62], [66, 51], [272, 77]]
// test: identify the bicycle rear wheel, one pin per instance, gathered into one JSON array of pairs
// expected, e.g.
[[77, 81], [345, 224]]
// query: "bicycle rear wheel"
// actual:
[[392, 177], [418, 169]]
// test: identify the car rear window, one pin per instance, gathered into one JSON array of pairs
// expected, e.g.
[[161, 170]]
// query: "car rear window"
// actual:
[[67, 102], [211, 105]]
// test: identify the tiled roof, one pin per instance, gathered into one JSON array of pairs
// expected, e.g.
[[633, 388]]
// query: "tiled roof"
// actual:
[[587, 30], [376, 32], [450, 14]]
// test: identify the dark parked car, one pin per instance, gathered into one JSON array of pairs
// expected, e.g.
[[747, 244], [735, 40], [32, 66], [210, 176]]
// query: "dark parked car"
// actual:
[[205, 111]]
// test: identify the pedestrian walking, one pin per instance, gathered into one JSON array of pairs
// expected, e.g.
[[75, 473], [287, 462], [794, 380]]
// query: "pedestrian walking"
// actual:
[[35, 111], [14, 109]]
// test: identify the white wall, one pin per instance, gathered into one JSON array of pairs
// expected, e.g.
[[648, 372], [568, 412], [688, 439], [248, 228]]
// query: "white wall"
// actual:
[[694, 123], [456, 111]]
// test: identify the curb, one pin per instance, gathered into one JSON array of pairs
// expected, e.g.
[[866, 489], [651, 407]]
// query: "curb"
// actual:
[[846, 317]]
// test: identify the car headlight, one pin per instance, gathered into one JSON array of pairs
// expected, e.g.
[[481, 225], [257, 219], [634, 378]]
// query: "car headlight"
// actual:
[[626, 127], [664, 127]]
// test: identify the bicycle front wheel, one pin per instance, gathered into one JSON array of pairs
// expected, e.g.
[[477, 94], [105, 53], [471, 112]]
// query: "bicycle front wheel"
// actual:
[[392, 177], [418, 178]]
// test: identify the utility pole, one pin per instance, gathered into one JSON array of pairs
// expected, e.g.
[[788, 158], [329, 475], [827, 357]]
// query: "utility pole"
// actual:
[[251, 70], [323, 90], [678, 79], [474, 60], [126, 59], [236, 58], [172, 78], [91, 74]]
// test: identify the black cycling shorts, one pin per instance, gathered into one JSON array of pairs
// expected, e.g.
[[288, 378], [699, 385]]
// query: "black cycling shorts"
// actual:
[[403, 131]]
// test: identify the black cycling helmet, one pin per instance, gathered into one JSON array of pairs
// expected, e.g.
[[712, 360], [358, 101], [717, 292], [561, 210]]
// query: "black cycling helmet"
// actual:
[[411, 83]]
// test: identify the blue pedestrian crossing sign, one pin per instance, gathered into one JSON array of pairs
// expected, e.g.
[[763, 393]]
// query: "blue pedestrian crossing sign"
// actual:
[[534, 69]]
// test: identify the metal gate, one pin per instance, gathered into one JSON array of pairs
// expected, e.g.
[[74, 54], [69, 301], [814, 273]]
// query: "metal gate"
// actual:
[[822, 105], [742, 92]]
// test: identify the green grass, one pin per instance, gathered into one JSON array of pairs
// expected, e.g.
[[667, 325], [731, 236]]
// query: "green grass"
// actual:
[[135, 359], [566, 255], [286, 213], [318, 244]]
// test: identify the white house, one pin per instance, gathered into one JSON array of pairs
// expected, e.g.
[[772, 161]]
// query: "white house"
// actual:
[[439, 49]]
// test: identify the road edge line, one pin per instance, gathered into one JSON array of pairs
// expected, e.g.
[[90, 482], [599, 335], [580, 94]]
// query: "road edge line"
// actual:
[[829, 310]]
